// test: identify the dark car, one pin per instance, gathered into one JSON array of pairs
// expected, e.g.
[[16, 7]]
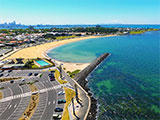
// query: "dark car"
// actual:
[[9, 70], [51, 75], [1, 75], [12, 81], [35, 74], [52, 71], [59, 110], [52, 79], [61, 101], [29, 74], [22, 84]]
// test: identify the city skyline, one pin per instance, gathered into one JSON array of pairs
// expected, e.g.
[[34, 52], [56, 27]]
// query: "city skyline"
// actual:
[[55, 12]]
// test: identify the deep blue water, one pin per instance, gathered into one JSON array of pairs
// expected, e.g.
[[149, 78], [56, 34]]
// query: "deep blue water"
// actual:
[[127, 84], [70, 26]]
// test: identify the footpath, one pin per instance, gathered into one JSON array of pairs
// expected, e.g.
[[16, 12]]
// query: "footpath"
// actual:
[[85, 99]]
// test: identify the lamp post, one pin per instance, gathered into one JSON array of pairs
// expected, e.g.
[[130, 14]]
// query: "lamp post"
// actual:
[[74, 113], [77, 98]]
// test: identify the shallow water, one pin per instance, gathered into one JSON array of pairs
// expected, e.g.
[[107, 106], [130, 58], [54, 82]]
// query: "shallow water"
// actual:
[[127, 83]]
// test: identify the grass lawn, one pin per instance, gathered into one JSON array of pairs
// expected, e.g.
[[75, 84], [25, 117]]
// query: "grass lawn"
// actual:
[[1, 95], [57, 76], [8, 79], [64, 37]]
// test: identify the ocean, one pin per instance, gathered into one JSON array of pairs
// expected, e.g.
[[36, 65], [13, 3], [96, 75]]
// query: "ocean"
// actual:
[[71, 26], [127, 84]]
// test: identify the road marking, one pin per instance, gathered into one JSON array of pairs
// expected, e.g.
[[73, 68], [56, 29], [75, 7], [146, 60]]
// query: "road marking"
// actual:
[[10, 106], [49, 103], [15, 105], [54, 102], [30, 93]]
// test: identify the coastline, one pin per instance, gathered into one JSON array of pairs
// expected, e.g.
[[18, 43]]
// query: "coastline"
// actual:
[[41, 52], [81, 79]]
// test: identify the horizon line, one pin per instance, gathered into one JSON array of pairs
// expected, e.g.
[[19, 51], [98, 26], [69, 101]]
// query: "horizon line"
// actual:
[[88, 24]]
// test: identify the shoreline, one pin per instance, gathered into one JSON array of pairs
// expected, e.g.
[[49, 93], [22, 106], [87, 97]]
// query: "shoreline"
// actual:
[[41, 52], [81, 79], [72, 66]]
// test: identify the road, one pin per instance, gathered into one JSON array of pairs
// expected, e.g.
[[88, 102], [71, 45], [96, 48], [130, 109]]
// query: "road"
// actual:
[[13, 104], [13, 109]]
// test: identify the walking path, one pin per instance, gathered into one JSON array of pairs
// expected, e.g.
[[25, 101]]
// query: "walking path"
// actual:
[[9, 54]]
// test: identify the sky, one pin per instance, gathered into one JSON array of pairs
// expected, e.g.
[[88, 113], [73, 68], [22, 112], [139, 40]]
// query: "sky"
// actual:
[[59, 12]]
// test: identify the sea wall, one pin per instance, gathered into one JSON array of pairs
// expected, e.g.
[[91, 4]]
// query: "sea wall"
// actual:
[[85, 72], [81, 79]]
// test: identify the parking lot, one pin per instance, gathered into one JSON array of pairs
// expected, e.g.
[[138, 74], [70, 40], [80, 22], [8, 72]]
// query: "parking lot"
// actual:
[[16, 95]]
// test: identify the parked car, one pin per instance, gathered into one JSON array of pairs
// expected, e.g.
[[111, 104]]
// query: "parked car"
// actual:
[[52, 79], [1, 75], [51, 75], [22, 84], [61, 93], [23, 80], [12, 81], [29, 74], [59, 109], [9, 71], [7, 75], [56, 116], [52, 71], [60, 101], [35, 74], [34, 93]]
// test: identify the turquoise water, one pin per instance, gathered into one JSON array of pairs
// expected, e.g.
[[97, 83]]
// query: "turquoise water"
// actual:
[[42, 63], [127, 84]]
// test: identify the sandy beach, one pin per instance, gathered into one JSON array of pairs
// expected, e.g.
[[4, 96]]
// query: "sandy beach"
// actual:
[[40, 51]]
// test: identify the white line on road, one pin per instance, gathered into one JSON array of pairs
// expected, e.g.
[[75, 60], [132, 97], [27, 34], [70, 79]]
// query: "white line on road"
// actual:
[[10, 106], [15, 105], [49, 103], [30, 93]]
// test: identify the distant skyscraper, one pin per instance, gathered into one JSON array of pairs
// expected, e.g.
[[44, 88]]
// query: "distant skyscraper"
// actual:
[[14, 22]]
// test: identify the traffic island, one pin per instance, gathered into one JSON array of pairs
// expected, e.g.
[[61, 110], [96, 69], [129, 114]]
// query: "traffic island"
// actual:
[[9, 79], [69, 95], [1, 95], [28, 113], [57, 76]]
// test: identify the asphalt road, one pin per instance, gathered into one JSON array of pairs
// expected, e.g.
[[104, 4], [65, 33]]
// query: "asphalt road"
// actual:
[[13, 104], [14, 108]]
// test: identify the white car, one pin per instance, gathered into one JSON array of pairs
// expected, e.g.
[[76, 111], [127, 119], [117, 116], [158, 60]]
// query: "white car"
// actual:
[[23, 80], [56, 116], [61, 93]]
